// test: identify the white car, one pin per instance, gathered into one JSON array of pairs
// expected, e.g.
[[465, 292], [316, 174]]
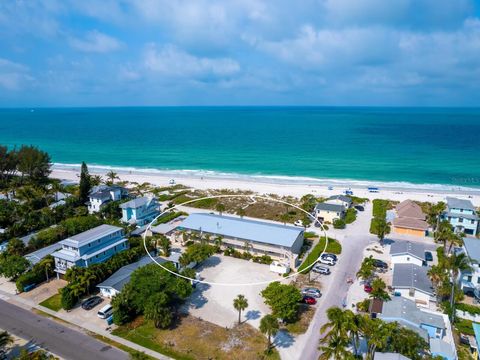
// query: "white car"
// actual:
[[298, 223], [327, 261]]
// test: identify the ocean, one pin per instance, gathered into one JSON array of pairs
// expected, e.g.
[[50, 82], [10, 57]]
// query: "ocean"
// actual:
[[407, 145]]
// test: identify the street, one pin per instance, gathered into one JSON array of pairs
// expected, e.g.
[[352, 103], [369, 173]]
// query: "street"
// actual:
[[54, 337]]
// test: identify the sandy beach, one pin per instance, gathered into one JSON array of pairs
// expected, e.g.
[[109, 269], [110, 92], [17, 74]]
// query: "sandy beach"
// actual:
[[281, 186]]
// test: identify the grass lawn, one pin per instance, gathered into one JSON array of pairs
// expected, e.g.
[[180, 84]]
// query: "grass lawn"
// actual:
[[194, 338], [333, 247], [125, 348], [464, 326], [53, 303], [301, 325], [350, 216], [380, 208]]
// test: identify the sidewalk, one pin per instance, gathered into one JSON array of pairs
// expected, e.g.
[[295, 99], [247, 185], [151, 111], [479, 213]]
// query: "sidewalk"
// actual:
[[28, 305]]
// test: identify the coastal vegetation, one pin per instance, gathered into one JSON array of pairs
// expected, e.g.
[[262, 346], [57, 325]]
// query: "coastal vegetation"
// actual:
[[333, 247]]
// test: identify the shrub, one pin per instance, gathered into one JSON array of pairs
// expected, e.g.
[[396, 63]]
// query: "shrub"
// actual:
[[36, 274], [339, 224], [350, 216], [264, 259], [68, 298]]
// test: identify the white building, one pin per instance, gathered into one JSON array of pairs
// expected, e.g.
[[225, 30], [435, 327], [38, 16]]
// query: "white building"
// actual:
[[412, 282], [406, 252], [103, 194], [140, 211], [470, 280]]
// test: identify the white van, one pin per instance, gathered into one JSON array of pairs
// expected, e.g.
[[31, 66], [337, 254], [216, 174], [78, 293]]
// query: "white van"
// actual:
[[279, 268], [105, 312]]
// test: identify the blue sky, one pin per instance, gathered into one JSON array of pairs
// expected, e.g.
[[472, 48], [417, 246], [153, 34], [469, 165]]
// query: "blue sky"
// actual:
[[239, 52]]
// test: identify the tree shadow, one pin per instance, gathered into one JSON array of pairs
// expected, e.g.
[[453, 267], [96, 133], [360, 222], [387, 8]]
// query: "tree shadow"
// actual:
[[252, 315], [197, 300], [283, 339], [212, 261]]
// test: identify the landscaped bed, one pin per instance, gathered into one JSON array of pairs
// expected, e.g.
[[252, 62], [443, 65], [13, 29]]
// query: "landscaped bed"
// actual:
[[193, 338], [53, 303], [333, 247]]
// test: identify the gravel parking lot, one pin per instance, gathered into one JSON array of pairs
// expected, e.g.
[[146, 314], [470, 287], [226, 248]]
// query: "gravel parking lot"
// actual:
[[214, 303]]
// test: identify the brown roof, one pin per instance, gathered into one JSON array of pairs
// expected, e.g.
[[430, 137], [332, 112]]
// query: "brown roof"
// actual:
[[410, 223], [410, 209], [376, 306]]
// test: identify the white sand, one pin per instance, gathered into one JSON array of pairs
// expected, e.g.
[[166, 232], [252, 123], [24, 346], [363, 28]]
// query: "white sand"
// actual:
[[265, 185]]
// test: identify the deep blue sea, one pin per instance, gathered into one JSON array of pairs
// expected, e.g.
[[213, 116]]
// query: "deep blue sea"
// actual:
[[416, 145]]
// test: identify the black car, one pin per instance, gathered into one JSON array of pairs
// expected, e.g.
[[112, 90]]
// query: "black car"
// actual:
[[428, 256], [90, 303], [359, 208], [380, 264]]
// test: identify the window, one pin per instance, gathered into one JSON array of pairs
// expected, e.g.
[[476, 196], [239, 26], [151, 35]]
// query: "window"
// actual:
[[472, 221], [478, 280], [408, 258], [469, 278], [460, 220], [96, 256]]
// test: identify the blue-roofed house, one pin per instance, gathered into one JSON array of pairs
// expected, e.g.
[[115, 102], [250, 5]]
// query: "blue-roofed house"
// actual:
[[433, 327], [462, 215], [259, 237], [140, 211], [470, 280], [90, 247]]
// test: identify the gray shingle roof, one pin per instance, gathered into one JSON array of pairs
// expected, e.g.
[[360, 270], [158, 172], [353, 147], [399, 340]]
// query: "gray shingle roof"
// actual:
[[455, 203], [409, 248], [472, 246], [406, 276], [329, 207], [252, 230]]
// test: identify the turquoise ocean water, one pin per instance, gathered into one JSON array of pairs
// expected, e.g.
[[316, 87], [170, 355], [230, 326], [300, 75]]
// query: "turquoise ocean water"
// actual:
[[415, 145]]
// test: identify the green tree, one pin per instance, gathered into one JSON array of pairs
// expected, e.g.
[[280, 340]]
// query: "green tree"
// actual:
[[284, 218], [111, 176], [241, 212], [15, 247], [383, 228], [240, 303], [220, 208], [366, 270], [165, 245], [335, 347], [5, 341], [443, 233], [12, 266], [457, 263], [137, 355], [434, 212], [87, 279], [379, 290], [85, 184], [269, 327], [47, 264], [377, 334], [408, 343], [283, 299], [34, 163], [157, 310]]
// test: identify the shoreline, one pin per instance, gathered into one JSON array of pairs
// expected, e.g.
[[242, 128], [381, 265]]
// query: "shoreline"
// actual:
[[280, 185]]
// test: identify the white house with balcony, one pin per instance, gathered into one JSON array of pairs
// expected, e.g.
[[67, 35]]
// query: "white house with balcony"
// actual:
[[470, 280], [462, 215], [93, 246], [103, 194], [140, 211]]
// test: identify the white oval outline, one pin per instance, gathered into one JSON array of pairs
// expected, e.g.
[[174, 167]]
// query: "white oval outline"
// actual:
[[149, 226]]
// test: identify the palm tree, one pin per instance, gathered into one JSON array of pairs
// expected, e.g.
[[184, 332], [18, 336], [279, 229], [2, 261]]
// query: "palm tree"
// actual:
[[5, 340], [342, 327], [434, 213], [112, 176], [378, 290], [455, 239], [335, 347], [383, 228], [220, 208], [269, 326], [377, 333], [57, 187], [240, 303], [87, 279], [443, 233], [284, 218], [456, 264], [47, 264], [95, 180], [336, 322]]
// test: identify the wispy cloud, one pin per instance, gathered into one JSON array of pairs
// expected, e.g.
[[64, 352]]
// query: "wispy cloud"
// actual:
[[96, 42]]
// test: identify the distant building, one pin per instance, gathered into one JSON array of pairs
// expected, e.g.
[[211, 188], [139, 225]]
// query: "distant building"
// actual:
[[333, 208], [412, 282], [432, 326], [406, 252], [90, 247], [470, 280], [410, 219], [258, 237], [103, 194], [346, 201], [462, 215], [140, 211]]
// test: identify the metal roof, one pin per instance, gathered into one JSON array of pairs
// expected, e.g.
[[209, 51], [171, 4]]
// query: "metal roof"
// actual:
[[461, 215], [400, 308], [341, 197], [36, 256], [410, 248], [455, 203], [472, 246], [91, 235], [408, 276], [443, 348], [137, 202], [251, 230], [389, 356], [329, 207]]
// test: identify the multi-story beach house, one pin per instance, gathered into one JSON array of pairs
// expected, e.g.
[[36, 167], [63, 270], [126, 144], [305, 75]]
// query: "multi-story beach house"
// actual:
[[470, 280], [90, 247], [333, 208], [462, 215], [140, 211], [103, 194]]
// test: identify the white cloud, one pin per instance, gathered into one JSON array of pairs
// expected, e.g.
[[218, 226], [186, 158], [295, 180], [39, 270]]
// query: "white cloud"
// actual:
[[13, 75], [171, 61], [96, 41]]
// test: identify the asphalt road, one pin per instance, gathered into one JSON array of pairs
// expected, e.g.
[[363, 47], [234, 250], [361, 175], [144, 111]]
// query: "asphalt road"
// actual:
[[54, 337]]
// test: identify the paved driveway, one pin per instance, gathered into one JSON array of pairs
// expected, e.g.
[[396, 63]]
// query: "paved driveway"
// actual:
[[214, 303]]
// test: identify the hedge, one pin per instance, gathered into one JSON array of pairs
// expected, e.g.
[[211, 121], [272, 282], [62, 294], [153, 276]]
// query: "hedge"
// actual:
[[472, 309], [35, 275], [333, 247]]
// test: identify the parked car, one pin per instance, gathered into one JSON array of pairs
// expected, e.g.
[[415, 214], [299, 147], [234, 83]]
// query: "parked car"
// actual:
[[321, 270], [309, 300], [428, 256], [367, 288], [359, 208], [331, 256], [105, 312], [90, 303], [380, 264], [313, 292], [327, 261], [298, 223]]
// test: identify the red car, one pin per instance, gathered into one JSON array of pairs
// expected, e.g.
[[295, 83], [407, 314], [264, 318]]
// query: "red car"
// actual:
[[309, 300], [367, 288]]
